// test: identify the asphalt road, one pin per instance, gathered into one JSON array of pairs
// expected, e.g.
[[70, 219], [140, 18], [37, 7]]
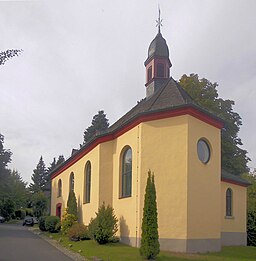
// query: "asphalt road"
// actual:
[[18, 243]]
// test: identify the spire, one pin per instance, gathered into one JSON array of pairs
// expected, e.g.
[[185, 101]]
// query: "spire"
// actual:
[[159, 20], [158, 63]]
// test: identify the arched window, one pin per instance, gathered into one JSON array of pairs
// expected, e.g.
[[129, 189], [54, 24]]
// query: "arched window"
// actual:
[[160, 70], [149, 73], [71, 182], [126, 175], [229, 202], [59, 188], [87, 182]]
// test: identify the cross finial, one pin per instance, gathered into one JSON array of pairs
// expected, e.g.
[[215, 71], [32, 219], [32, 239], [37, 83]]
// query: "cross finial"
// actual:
[[159, 20]]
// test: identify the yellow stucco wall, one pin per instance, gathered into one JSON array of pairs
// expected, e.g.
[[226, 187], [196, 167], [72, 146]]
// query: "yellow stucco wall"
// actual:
[[164, 151], [86, 211], [190, 194], [236, 223], [203, 183], [106, 173], [126, 209]]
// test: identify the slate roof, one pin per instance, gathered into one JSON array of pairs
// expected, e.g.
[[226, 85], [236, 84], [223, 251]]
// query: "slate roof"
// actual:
[[169, 97], [234, 178]]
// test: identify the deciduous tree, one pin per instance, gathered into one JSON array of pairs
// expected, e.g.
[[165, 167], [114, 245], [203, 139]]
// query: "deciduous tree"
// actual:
[[233, 158], [6, 55], [39, 204]]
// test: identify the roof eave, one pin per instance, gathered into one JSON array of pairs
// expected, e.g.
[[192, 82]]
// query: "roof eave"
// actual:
[[173, 111]]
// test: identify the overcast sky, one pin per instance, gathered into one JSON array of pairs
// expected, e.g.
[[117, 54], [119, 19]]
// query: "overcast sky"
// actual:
[[83, 56]]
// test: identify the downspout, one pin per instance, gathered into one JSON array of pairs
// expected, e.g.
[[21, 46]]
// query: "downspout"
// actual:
[[137, 186]]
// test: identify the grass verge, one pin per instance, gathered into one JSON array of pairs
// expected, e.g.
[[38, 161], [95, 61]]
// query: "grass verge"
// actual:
[[121, 252]]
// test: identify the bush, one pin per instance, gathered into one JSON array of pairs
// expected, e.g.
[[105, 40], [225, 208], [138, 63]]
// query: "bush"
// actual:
[[92, 228], [251, 228], [29, 212], [41, 223], [78, 232], [104, 227], [20, 214], [68, 220], [51, 222], [58, 226]]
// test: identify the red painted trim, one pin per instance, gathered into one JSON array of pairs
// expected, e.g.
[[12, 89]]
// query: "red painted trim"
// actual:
[[234, 182], [142, 118]]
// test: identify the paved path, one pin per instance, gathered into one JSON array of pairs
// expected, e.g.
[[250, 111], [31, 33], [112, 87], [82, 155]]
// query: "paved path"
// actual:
[[18, 243]]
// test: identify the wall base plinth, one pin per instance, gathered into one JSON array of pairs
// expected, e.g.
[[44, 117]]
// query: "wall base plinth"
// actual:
[[181, 245], [233, 238]]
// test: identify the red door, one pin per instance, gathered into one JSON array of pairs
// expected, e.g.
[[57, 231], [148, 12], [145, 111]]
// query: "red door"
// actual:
[[58, 210]]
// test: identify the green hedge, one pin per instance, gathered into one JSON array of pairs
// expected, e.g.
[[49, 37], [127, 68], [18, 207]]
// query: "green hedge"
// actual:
[[41, 223], [51, 224]]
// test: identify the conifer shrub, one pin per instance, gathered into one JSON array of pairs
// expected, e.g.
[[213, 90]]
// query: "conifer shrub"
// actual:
[[150, 247], [72, 203], [92, 227], [104, 227], [68, 220], [41, 223], [50, 223], [78, 232]]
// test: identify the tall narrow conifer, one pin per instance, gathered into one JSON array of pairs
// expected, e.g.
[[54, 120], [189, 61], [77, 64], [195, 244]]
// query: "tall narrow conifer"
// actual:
[[150, 247], [72, 203]]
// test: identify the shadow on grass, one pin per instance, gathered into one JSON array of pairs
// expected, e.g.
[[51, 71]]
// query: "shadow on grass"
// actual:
[[121, 252]]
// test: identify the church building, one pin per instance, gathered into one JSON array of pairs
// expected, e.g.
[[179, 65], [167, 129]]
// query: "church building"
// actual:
[[200, 206]]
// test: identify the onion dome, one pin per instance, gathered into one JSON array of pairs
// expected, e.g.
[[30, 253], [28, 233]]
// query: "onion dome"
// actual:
[[158, 47]]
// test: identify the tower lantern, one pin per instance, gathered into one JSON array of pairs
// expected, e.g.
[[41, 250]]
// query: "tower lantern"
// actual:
[[158, 63]]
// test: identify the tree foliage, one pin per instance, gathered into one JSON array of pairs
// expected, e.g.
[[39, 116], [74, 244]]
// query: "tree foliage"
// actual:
[[72, 203], [60, 160], [39, 177], [67, 221], [99, 123], [5, 156], [7, 207], [39, 203], [6, 55], [251, 209], [204, 93], [17, 190], [13, 192], [53, 165], [150, 247]]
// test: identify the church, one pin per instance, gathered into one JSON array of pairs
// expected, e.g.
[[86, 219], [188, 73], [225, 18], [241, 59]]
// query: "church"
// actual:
[[200, 206]]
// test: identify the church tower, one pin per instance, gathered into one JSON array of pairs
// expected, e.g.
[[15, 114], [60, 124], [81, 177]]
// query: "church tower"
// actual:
[[158, 63]]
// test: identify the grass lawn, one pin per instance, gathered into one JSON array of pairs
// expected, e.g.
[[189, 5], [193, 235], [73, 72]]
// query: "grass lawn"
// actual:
[[120, 252]]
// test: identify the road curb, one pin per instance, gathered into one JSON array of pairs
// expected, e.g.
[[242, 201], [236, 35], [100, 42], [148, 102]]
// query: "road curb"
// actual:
[[74, 256]]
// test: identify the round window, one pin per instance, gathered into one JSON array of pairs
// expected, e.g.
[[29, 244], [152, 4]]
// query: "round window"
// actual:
[[203, 151]]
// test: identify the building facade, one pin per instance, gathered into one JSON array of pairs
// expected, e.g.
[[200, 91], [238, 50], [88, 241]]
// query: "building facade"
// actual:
[[200, 207]]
